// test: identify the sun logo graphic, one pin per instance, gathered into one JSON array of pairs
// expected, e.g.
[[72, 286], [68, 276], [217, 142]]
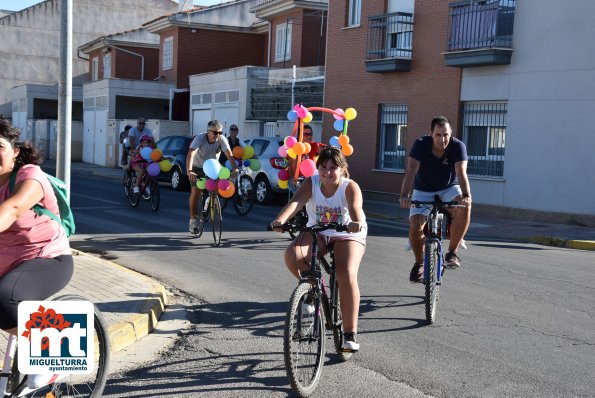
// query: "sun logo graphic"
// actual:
[[56, 336]]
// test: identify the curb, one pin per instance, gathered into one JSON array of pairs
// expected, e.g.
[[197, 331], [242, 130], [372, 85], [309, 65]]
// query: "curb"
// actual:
[[567, 243], [139, 325]]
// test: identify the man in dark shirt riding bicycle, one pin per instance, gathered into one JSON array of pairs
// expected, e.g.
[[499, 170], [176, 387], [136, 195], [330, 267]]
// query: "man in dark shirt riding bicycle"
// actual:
[[437, 165]]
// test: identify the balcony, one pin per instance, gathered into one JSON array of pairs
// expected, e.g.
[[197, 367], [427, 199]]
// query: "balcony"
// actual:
[[480, 33], [390, 39]]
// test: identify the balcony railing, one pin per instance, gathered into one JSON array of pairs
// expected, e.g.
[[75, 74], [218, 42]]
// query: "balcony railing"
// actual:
[[480, 32], [390, 39]]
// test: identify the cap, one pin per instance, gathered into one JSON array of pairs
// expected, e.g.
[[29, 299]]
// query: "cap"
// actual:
[[128, 127]]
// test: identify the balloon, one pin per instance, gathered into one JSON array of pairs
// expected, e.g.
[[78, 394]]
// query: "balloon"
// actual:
[[153, 169], [339, 124], [299, 148], [246, 163], [165, 165], [302, 112], [292, 116], [211, 168], [339, 113], [156, 155], [283, 184], [146, 153], [307, 167], [296, 107], [248, 152], [238, 151], [282, 151], [211, 185], [308, 118], [224, 173], [228, 193], [350, 114], [343, 139], [223, 185], [254, 164], [290, 141], [334, 141], [308, 147], [291, 153], [347, 150], [228, 165], [201, 183], [283, 175]]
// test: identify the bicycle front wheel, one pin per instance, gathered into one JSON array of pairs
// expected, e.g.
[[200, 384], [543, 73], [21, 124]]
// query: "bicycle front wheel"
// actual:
[[216, 219], [431, 280], [303, 343], [337, 325], [155, 197], [133, 198], [243, 199], [126, 181]]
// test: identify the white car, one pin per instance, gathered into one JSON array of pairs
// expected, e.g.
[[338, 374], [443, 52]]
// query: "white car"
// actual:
[[266, 180]]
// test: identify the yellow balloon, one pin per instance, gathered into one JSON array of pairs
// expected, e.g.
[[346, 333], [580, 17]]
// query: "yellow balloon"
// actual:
[[165, 165], [308, 118], [283, 184], [350, 113], [291, 153]]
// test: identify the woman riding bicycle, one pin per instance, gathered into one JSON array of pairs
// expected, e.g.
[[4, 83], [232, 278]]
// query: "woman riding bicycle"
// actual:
[[35, 256], [139, 164], [331, 196]]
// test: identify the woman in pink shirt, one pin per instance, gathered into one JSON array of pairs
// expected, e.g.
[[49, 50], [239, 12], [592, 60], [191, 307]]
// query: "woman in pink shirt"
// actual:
[[35, 256]]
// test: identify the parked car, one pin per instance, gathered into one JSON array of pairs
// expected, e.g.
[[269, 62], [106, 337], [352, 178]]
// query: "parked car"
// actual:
[[175, 148], [266, 180]]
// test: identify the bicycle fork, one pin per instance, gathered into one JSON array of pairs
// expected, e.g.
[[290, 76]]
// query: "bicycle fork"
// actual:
[[439, 264]]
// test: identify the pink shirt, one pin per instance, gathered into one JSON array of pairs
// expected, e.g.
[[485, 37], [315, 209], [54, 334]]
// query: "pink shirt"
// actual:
[[32, 236]]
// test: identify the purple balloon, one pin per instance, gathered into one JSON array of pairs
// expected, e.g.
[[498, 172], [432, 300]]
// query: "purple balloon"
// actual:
[[211, 185], [153, 169], [223, 185]]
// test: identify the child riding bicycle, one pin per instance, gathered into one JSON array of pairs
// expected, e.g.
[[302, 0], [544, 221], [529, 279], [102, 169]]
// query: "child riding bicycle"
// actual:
[[139, 164]]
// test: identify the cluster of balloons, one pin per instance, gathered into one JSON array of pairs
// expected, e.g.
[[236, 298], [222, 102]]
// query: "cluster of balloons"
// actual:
[[244, 156], [156, 162], [218, 179], [342, 119]]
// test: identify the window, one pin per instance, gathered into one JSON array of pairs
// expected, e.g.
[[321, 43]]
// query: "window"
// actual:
[[283, 43], [168, 53], [95, 69], [354, 14], [107, 66], [484, 132], [393, 132]]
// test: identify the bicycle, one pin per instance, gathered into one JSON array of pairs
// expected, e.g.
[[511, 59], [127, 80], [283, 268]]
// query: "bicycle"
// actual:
[[243, 198], [304, 335], [129, 181], [14, 384], [210, 210], [300, 219], [437, 228]]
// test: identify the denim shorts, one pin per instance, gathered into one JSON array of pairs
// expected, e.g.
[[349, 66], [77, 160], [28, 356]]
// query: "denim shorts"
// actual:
[[446, 195]]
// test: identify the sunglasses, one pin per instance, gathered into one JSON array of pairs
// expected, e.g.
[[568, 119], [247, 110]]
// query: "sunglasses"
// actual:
[[141, 123], [215, 132], [307, 134]]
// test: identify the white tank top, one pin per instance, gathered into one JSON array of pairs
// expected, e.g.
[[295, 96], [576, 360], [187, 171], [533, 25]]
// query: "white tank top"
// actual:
[[334, 209]]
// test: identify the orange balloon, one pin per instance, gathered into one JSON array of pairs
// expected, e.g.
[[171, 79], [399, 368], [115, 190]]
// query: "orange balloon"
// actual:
[[299, 148], [347, 150], [343, 140], [229, 192], [308, 147], [238, 151], [156, 155]]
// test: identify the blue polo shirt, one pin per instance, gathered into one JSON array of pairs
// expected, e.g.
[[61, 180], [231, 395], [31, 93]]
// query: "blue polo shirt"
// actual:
[[436, 174]]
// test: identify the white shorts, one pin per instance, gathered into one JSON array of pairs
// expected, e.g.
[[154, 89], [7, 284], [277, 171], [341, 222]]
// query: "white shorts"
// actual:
[[446, 195]]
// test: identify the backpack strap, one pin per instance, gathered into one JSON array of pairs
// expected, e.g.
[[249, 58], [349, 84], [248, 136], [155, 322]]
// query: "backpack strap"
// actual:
[[38, 209]]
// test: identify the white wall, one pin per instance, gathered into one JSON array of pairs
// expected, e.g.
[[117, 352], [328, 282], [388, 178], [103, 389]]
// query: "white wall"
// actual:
[[550, 88]]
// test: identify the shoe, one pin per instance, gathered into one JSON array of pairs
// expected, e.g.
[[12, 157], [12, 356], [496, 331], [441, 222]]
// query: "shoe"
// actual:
[[308, 308], [417, 273], [40, 380], [147, 191], [451, 260], [193, 226], [349, 343], [136, 190]]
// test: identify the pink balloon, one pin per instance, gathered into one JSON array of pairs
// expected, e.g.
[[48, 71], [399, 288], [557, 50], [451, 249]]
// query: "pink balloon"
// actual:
[[223, 185], [302, 112], [282, 151], [211, 185], [290, 141], [283, 175], [308, 167], [296, 107], [339, 114]]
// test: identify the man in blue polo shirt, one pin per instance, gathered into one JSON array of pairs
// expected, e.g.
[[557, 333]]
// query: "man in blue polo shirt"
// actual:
[[437, 165]]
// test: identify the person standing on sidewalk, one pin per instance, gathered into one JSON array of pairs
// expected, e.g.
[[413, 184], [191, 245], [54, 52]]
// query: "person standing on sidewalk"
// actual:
[[35, 257], [125, 142], [437, 165]]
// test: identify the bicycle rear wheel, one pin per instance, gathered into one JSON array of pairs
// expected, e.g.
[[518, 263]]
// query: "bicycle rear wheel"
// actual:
[[133, 198], [431, 280], [337, 324], [155, 197], [243, 199], [216, 219], [303, 343]]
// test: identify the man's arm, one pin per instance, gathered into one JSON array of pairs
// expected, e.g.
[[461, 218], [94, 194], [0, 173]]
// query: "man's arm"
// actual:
[[407, 186], [461, 170], [189, 161]]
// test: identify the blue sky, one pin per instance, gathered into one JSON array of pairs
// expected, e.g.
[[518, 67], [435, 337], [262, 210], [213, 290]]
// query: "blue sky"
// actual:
[[16, 5]]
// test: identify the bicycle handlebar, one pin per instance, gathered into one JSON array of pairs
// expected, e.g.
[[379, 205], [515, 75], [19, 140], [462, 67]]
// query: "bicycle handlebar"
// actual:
[[314, 228]]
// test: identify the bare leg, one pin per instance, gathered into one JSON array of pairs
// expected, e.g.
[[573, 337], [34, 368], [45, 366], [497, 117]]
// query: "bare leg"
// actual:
[[348, 256], [416, 236], [193, 201], [461, 218]]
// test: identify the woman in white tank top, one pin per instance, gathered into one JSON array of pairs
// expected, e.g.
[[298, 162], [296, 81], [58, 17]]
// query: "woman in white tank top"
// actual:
[[331, 196]]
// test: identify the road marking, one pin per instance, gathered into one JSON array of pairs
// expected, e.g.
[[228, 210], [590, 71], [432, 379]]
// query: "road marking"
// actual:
[[95, 198]]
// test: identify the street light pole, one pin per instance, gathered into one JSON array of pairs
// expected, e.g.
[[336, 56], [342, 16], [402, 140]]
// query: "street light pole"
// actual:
[[63, 155]]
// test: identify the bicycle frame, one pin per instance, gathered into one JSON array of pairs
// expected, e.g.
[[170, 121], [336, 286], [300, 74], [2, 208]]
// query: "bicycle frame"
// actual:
[[435, 222]]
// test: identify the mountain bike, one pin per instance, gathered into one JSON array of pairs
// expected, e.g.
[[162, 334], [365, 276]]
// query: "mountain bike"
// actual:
[[304, 335], [243, 198], [437, 227], [129, 181], [14, 384], [210, 210]]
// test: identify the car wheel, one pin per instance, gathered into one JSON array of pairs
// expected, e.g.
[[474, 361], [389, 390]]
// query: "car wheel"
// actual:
[[264, 192], [176, 179]]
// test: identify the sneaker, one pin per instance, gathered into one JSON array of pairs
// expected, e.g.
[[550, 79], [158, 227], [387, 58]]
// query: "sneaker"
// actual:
[[147, 191], [136, 190], [308, 308], [451, 260], [349, 343], [417, 273], [40, 380], [193, 226]]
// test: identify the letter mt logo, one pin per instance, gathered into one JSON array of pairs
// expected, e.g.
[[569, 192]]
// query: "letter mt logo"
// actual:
[[56, 336]]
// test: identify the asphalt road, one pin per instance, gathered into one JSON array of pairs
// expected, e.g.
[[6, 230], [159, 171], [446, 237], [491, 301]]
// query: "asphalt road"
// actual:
[[515, 320]]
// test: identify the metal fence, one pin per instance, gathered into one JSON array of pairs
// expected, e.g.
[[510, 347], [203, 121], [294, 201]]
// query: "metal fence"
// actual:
[[390, 36]]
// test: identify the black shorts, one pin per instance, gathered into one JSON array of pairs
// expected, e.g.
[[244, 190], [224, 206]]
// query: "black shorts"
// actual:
[[35, 279], [200, 173]]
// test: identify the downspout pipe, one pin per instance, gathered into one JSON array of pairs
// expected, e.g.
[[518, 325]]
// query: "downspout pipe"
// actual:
[[142, 59]]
